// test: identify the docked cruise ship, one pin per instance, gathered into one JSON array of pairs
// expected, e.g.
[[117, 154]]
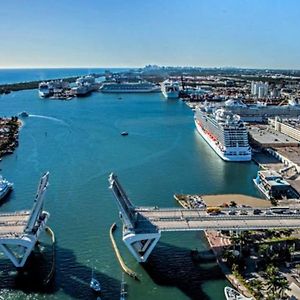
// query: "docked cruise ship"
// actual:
[[47, 89], [260, 111], [129, 87], [85, 85], [224, 132], [170, 89]]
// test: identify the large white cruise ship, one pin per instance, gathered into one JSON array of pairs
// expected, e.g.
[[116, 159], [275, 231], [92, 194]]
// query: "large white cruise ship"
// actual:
[[129, 87], [224, 132], [170, 89]]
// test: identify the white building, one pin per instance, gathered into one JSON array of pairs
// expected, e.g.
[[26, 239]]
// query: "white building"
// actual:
[[259, 89]]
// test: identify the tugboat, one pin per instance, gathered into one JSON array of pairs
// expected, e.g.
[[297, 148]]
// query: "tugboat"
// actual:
[[5, 187], [232, 294], [124, 133], [94, 284]]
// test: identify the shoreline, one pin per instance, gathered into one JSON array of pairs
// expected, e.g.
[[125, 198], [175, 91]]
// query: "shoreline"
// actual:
[[9, 135]]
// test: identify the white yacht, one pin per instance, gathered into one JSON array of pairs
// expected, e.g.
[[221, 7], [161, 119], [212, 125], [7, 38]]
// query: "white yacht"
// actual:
[[129, 87], [232, 294], [224, 132], [5, 187], [170, 89]]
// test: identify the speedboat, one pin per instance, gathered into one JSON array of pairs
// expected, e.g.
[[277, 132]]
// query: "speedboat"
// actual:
[[5, 187], [24, 114], [94, 284], [124, 133], [232, 294]]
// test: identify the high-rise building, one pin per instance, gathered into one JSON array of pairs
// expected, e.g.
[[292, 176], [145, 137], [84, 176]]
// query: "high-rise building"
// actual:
[[259, 89]]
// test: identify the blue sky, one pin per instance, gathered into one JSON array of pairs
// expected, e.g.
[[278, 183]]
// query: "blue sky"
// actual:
[[121, 33]]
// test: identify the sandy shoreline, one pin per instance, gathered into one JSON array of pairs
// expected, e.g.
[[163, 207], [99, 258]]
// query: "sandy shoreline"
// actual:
[[217, 200]]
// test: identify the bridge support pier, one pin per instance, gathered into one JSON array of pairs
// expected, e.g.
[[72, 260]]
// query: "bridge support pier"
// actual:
[[141, 245], [17, 251]]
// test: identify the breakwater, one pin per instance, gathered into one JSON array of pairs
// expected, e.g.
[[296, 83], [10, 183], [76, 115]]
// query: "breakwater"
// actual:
[[30, 85]]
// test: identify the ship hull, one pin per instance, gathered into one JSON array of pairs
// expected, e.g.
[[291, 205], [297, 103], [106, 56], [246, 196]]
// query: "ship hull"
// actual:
[[170, 95], [215, 147]]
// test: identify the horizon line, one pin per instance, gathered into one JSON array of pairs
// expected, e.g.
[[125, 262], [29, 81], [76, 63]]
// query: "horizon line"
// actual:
[[139, 67]]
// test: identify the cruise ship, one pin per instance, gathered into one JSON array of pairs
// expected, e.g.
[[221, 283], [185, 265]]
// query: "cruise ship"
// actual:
[[170, 89], [5, 187], [47, 89], [85, 85], [260, 111], [224, 132], [129, 87]]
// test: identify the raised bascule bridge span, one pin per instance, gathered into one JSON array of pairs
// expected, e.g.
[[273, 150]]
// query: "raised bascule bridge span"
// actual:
[[142, 226], [19, 231]]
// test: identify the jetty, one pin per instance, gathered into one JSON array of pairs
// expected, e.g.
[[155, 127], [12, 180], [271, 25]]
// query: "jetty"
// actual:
[[126, 269], [30, 85]]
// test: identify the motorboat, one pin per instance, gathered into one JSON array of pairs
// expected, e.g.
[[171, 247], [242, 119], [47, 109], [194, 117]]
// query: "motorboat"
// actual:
[[24, 114], [95, 284], [232, 294], [124, 133]]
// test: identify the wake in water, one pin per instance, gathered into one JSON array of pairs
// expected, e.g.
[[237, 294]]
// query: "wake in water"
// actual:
[[49, 118]]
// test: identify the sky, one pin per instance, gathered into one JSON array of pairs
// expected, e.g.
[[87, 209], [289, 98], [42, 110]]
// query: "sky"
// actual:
[[133, 33]]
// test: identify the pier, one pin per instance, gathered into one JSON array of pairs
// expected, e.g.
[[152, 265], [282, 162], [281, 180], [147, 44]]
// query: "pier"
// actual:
[[143, 225], [19, 231]]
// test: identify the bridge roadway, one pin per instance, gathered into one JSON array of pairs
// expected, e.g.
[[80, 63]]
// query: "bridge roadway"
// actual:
[[13, 224], [143, 225], [176, 219]]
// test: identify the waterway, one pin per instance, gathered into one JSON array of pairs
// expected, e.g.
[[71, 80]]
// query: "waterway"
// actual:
[[79, 142]]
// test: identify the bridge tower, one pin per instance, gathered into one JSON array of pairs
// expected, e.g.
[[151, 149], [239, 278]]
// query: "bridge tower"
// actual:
[[139, 241]]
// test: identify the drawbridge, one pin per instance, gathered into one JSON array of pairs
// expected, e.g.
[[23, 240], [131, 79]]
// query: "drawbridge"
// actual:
[[19, 231], [142, 226]]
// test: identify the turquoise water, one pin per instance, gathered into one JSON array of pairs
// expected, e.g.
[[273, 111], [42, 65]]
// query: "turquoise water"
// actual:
[[79, 142]]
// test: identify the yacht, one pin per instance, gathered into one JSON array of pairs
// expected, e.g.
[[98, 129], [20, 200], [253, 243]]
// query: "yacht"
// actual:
[[129, 87], [232, 294], [225, 133], [5, 187], [170, 89]]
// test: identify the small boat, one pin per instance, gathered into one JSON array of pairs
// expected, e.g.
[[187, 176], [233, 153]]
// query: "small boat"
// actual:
[[232, 294], [124, 133], [24, 114], [94, 284], [123, 291], [5, 187]]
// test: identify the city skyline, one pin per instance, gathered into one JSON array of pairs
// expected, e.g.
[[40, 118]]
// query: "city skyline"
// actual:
[[248, 34]]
